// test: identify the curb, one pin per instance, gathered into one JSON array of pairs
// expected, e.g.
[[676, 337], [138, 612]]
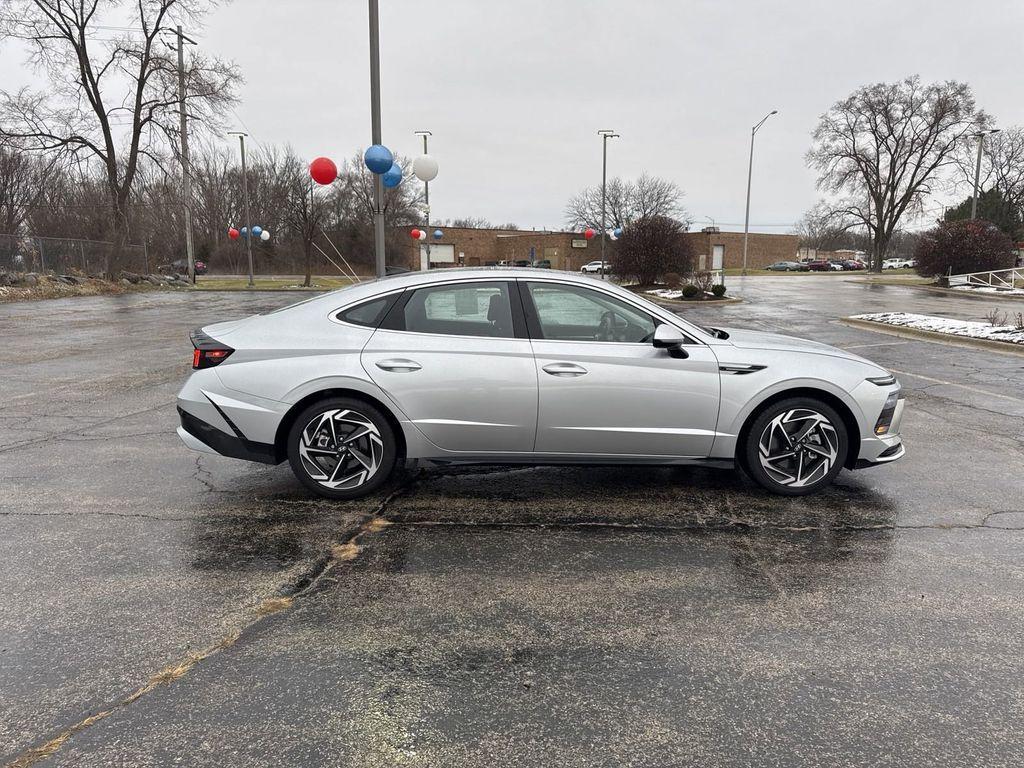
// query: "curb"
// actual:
[[1004, 347], [674, 303]]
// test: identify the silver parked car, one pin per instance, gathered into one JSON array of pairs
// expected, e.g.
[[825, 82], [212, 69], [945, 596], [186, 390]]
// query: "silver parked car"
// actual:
[[531, 367]]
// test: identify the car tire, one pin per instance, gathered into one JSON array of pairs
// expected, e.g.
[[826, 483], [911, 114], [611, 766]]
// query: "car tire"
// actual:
[[342, 448], [788, 468]]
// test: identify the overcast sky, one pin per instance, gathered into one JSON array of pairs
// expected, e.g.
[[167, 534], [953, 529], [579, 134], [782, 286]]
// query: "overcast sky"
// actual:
[[515, 91]]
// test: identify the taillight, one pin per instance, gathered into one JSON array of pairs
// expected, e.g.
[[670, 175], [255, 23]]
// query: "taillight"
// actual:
[[208, 351]]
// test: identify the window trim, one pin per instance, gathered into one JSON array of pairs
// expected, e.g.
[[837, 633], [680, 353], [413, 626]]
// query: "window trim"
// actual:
[[394, 320], [537, 333]]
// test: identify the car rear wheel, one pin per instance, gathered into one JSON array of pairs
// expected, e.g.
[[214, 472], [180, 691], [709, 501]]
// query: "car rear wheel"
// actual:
[[796, 447], [342, 448]]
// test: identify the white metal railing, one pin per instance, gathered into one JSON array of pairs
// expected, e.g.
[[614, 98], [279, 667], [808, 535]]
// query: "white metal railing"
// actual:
[[996, 278]]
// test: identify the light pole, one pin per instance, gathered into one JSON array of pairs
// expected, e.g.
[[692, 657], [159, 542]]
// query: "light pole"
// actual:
[[186, 174], [378, 186], [245, 199], [750, 175], [426, 195], [980, 136], [605, 134]]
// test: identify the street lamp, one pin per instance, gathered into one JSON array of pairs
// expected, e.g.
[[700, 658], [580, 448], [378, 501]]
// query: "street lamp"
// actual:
[[750, 174], [426, 197], [605, 134], [245, 198], [980, 136]]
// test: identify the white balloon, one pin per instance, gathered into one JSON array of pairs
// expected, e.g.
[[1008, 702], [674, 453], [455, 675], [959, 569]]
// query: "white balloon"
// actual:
[[264, 236], [425, 168], [422, 235]]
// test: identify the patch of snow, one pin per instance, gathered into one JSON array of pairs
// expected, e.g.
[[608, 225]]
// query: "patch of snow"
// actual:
[[968, 328], [989, 289], [665, 293]]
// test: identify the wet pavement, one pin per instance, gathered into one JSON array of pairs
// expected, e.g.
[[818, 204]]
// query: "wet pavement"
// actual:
[[161, 607]]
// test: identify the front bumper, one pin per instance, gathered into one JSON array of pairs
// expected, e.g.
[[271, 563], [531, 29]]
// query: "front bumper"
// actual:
[[884, 449]]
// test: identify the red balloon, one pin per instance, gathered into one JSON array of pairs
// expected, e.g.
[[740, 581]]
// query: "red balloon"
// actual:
[[414, 234], [233, 233], [588, 234], [323, 170]]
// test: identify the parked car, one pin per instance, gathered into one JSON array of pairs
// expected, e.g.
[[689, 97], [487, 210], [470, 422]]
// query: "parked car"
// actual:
[[787, 266], [852, 265], [565, 369], [823, 265], [542, 264], [593, 267], [899, 264]]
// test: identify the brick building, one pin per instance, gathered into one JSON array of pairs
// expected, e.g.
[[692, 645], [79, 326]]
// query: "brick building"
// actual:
[[463, 246], [724, 250]]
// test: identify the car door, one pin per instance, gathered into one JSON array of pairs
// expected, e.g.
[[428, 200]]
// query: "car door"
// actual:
[[604, 389], [460, 366]]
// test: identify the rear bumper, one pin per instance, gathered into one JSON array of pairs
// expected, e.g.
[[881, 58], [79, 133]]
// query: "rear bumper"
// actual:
[[200, 436]]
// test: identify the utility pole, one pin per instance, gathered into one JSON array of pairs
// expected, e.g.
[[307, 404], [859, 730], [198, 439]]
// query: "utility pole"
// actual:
[[245, 199], [426, 193], [750, 175], [605, 134], [378, 188], [186, 174], [980, 136]]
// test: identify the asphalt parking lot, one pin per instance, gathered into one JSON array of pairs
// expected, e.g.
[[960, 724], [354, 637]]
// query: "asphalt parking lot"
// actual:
[[164, 607]]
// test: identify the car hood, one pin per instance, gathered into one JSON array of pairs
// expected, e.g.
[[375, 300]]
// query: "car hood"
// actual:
[[777, 341]]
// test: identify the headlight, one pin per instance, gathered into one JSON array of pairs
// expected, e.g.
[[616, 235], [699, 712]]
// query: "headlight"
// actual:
[[883, 381]]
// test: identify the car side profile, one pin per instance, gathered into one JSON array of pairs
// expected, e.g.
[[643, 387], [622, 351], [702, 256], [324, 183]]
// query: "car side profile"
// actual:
[[787, 266], [593, 267], [524, 366]]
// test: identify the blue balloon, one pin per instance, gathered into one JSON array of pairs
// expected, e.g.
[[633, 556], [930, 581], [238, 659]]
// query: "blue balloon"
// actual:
[[438, 234], [617, 232], [257, 231], [379, 159], [393, 177], [244, 232]]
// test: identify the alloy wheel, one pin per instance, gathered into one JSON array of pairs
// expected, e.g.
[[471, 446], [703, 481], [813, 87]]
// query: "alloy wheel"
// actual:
[[798, 447], [341, 449]]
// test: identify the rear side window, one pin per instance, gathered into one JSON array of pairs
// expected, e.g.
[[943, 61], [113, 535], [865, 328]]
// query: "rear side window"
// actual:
[[369, 313], [464, 309]]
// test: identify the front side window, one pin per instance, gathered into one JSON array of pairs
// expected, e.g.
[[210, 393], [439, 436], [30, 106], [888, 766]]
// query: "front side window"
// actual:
[[574, 313], [462, 309]]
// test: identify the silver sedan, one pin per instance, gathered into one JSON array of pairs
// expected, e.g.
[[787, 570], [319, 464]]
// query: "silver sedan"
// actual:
[[509, 366]]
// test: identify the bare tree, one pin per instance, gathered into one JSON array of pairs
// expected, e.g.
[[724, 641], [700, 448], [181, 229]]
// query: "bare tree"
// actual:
[[626, 202], [305, 212], [22, 186], [650, 248], [112, 95], [884, 147]]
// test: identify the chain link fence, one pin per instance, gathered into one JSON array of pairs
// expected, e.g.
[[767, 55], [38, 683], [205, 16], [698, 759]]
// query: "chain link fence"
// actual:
[[25, 253]]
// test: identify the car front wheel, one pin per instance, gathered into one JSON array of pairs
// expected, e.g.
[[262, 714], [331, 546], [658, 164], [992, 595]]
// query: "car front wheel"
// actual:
[[342, 448], [796, 447]]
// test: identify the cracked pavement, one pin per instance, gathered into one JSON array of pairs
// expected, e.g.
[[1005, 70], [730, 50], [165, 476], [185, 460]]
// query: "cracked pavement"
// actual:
[[162, 607]]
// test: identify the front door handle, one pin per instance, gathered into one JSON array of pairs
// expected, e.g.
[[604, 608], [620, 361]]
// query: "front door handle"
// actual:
[[564, 369], [398, 365]]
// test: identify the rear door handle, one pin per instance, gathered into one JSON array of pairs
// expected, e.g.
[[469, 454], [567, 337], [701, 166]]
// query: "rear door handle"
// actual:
[[398, 365], [564, 369]]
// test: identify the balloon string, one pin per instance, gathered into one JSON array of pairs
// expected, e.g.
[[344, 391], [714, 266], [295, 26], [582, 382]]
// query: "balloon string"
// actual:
[[328, 239]]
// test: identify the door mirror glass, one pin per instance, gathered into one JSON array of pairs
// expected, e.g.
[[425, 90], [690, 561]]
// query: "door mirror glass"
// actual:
[[668, 337]]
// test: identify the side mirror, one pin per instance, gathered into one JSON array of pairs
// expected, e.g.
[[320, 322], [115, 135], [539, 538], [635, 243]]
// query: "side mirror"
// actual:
[[671, 338]]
